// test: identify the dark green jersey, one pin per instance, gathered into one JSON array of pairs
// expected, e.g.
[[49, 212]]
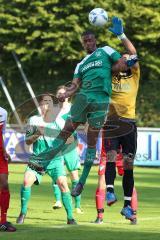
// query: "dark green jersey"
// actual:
[[95, 70]]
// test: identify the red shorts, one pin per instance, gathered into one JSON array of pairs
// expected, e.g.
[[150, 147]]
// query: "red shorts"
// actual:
[[103, 165], [103, 162], [3, 165]]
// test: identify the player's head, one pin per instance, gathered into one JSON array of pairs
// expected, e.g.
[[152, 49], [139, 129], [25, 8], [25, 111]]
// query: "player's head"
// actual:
[[60, 90], [88, 41], [46, 101]]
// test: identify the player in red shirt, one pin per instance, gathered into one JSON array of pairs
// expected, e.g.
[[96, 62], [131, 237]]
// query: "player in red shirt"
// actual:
[[101, 189], [4, 188]]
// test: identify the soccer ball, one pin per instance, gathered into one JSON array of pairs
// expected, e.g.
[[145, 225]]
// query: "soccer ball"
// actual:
[[98, 17]]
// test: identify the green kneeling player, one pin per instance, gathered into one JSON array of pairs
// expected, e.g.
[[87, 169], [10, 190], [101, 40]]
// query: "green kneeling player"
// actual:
[[55, 169]]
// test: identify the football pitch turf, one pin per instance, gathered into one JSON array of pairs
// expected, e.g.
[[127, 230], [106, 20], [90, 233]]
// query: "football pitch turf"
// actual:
[[43, 223]]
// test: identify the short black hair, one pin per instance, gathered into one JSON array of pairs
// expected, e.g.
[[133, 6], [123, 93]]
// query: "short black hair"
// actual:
[[88, 32]]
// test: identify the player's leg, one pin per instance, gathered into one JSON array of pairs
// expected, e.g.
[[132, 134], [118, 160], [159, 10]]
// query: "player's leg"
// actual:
[[92, 136], [30, 177], [101, 188], [72, 162], [119, 163], [4, 203], [134, 200], [58, 175], [74, 180], [66, 199], [96, 115], [129, 145], [110, 146], [100, 198], [57, 194], [110, 176], [134, 205]]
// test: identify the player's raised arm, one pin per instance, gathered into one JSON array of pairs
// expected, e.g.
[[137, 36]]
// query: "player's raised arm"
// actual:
[[123, 63], [118, 30]]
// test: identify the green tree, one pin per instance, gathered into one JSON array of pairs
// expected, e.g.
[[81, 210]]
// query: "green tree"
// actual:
[[46, 37]]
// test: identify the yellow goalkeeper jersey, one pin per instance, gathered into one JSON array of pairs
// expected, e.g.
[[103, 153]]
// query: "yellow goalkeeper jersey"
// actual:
[[124, 93]]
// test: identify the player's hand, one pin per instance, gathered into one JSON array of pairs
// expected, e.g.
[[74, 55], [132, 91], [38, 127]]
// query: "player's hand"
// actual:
[[40, 130], [131, 60], [117, 26]]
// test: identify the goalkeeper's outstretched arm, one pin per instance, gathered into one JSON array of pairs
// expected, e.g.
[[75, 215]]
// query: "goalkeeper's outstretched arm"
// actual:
[[132, 60]]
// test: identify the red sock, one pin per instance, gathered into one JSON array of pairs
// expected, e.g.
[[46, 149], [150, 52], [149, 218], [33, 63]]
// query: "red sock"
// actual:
[[120, 171], [100, 196], [4, 205], [134, 200]]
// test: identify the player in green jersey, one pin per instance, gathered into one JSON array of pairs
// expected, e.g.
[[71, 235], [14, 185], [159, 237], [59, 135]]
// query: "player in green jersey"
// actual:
[[91, 88], [71, 157], [55, 169]]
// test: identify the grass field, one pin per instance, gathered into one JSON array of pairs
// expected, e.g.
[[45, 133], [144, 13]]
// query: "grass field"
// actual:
[[43, 223]]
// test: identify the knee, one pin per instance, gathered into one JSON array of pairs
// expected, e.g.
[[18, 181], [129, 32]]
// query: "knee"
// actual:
[[28, 182], [74, 175], [128, 161], [62, 183]]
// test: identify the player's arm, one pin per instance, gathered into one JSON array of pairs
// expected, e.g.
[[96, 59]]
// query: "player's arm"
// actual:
[[130, 49], [72, 89], [119, 66], [123, 64], [32, 133], [31, 139]]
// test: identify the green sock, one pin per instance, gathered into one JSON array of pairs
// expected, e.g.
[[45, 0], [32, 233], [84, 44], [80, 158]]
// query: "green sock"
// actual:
[[25, 197], [90, 156], [57, 192], [67, 203], [78, 198]]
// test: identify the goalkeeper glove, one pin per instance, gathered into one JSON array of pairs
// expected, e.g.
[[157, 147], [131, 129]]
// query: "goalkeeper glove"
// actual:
[[131, 60], [117, 27]]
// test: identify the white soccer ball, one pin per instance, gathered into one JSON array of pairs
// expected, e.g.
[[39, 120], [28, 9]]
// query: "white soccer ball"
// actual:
[[98, 17]]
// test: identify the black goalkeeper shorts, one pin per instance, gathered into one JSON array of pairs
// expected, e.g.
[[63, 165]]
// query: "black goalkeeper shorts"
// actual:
[[127, 143]]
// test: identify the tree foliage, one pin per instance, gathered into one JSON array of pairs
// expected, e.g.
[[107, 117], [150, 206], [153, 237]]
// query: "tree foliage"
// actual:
[[46, 37]]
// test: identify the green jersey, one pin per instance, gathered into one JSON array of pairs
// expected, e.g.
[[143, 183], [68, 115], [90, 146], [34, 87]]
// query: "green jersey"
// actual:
[[44, 142], [51, 131], [95, 70]]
